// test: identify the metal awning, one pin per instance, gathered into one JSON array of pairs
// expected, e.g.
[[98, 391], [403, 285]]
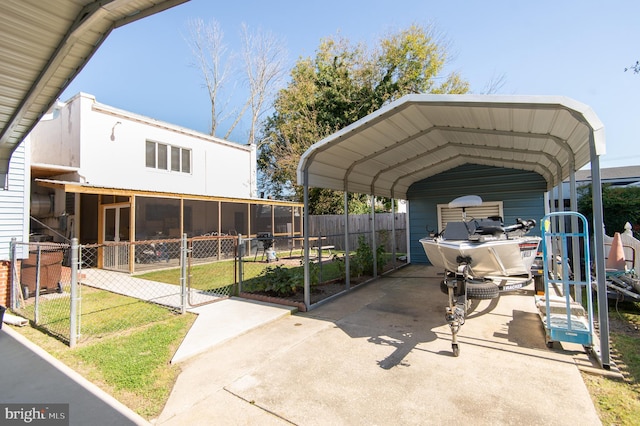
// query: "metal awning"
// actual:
[[44, 46], [419, 136]]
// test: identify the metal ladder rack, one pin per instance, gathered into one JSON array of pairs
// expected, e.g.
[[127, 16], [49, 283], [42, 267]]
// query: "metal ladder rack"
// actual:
[[566, 319]]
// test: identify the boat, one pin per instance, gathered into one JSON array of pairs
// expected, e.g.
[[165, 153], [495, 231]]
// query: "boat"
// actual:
[[481, 258], [487, 246]]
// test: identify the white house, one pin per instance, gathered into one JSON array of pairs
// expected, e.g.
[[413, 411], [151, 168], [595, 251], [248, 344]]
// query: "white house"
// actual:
[[100, 145], [103, 174]]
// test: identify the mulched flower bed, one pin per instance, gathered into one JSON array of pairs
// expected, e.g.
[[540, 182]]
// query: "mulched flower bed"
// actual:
[[318, 292]]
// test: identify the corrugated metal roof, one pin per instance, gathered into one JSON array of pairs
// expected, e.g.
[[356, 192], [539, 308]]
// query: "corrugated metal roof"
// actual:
[[419, 136], [611, 173], [44, 45]]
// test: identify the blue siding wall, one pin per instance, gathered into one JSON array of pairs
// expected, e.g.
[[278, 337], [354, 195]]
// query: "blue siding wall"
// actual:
[[521, 192]]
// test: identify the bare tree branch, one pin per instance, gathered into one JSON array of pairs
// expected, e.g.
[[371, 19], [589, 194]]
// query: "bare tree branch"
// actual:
[[264, 60], [494, 85], [210, 54]]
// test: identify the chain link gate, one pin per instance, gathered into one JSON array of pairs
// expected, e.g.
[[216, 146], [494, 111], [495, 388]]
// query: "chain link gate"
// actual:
[[212, 268]]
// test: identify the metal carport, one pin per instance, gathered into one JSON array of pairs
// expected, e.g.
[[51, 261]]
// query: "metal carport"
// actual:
[[419, 136]]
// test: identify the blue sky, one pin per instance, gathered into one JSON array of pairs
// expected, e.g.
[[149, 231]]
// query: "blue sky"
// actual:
[[572, 48]]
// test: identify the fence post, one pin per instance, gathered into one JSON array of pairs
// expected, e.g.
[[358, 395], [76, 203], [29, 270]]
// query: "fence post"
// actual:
[[73, 314], [183, 274], [14, 276], [37, 295], [240, 264]]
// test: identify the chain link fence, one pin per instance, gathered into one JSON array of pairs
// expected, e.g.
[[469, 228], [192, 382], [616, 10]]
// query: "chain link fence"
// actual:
[[43, 293], [103, 289], [77, 293], [274, 266]]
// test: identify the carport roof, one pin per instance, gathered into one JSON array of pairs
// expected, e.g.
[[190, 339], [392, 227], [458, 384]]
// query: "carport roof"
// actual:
[[419, 136], [44, 45]]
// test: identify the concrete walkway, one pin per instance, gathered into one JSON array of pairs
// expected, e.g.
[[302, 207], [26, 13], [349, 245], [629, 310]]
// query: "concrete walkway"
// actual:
[[223, 320], [382, 355], [29, 375], [139, 288]]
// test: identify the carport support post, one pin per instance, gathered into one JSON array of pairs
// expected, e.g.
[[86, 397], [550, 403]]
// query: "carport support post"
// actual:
[[73, 309], [305, 230], [373, 236], [347, 254], [574, 228], [598, 233], [393, 231]]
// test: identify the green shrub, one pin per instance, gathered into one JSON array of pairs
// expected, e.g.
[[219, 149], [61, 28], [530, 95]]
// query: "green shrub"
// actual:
[[282, 281], [361, 262]]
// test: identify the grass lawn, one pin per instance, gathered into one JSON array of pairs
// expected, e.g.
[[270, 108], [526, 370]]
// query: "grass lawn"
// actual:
[[128, 354], [618, 401]]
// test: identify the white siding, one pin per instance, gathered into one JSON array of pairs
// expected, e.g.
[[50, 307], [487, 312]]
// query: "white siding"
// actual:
[[108, 146], [14, 204]]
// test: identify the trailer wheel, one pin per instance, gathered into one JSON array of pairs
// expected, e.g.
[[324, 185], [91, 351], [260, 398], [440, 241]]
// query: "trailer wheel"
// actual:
[[482, 291]]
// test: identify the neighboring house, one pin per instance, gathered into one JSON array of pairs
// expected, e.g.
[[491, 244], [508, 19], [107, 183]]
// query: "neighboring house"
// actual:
[[614, 176], [102, 174], [14, 200]]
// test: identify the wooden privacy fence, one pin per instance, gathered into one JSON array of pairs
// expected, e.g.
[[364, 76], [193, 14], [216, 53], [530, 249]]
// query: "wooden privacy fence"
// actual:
[[333, 227]]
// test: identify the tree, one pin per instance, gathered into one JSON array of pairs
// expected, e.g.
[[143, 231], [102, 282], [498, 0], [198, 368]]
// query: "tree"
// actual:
[[343, 83], [210, 54], [619, 206], [264, 60]]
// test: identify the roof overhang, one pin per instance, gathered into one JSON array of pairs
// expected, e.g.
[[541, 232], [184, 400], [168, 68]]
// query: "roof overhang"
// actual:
[[419, 136], [45, 44], [87, 188]]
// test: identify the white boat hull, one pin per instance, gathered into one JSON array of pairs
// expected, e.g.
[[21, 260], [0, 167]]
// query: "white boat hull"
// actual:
[[506, 257]]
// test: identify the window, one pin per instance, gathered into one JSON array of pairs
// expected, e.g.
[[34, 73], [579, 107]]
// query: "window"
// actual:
[[151, 154], [175, 159], [162, 156], [186, 160]]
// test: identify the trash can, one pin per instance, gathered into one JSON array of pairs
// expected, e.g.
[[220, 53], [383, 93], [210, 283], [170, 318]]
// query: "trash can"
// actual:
[[50, 272]]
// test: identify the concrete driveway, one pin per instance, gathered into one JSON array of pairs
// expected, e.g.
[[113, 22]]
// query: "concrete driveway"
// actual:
[[382, 355]]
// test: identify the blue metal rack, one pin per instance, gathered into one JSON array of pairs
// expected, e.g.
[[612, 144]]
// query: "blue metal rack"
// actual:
[[567, 320]]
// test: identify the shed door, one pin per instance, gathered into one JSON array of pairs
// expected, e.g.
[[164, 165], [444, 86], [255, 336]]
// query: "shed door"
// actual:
[[445, 214]]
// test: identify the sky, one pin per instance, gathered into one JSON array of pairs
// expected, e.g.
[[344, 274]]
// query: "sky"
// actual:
[[573, 48]]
